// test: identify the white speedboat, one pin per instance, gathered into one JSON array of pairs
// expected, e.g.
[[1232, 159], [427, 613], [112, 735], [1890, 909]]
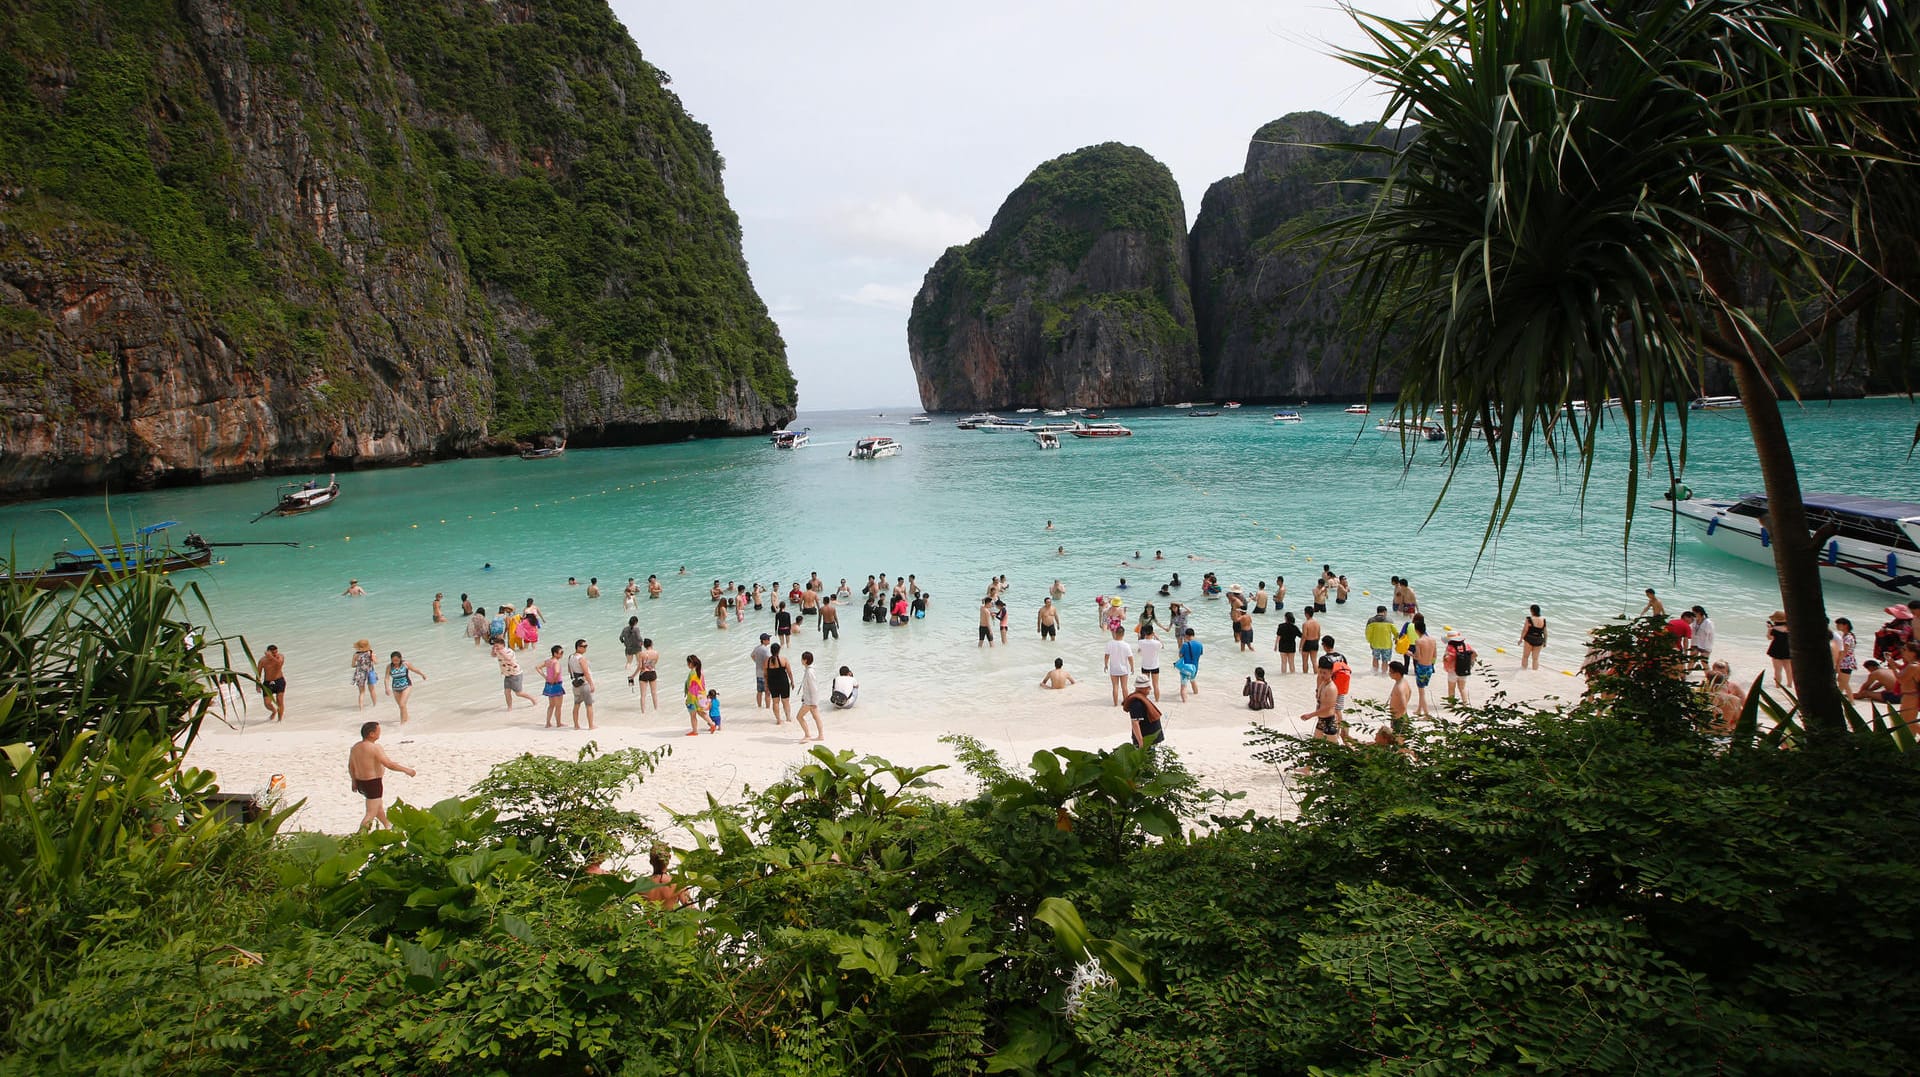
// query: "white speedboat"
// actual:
[[1102, 430], [874, 448], [791, 439], [1357, 409], [1056, 413], [1231, 405], [1287, 415], [1183, 405], [1877, 544], [1412, 429], [1716, 403], [1026, 411], [972, 422], [1006, 426], [919, 420], [1046, 439]]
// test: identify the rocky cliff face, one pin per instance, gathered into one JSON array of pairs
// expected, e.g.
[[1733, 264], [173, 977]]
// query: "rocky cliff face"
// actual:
[[1268, 320], [1076, 294], [240, 235]]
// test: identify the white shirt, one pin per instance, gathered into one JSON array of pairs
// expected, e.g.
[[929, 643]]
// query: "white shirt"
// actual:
[[845, 685], [1119, 658], [1149, 649], [809, 692], [1703, 634]]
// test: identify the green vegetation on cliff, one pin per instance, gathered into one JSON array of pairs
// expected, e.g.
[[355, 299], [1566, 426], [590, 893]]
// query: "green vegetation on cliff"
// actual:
[[1049, 224], [383, 208], [627, 251]]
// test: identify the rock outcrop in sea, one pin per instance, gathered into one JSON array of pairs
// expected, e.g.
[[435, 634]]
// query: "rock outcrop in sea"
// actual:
[[1268, 317], [239, 236], [1077, 294]]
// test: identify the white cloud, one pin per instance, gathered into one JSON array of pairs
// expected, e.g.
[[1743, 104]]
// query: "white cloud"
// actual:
[[886, 296], [902, 224]]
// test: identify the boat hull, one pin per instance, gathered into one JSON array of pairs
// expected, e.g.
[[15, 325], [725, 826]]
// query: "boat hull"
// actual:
[[1884, 571], [55, 579]]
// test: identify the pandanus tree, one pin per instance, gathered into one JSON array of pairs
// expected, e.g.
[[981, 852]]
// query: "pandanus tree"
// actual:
[[1602, 198]]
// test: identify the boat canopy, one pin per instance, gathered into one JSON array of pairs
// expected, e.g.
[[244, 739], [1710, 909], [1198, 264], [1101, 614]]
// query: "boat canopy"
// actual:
[[1866, 519], [151, 528], [1878, 508]]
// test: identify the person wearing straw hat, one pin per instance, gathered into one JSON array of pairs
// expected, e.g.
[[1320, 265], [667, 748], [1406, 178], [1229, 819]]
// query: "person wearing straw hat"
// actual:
[[1460, 658], [1145, 716]]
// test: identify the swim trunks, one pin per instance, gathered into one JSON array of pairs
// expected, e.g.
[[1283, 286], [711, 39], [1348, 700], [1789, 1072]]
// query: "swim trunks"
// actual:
[[648, 676], [1049, 631], [371, 788], [276, 685], [512, 683], [986, 632], [1422, 675], [1382, 655], [1309, 646]]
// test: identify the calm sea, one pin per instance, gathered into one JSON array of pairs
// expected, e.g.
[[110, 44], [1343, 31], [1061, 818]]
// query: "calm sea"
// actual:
[[1248, 498]]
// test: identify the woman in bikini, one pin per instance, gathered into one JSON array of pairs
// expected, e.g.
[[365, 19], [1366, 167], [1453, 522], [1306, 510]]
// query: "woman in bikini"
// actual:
[[780, 685], [649, 675]]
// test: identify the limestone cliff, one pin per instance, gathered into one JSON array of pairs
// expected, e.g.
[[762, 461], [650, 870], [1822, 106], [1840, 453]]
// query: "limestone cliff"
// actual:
[[1268, 318], [247, 235], [1075, 295]]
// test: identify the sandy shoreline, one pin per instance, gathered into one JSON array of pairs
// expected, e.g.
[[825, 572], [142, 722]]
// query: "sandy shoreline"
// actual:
[[900, 717]]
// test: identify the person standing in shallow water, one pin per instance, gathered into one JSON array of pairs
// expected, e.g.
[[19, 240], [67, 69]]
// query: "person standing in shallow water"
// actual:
[[510, 676], [696, 697], [649, 689], [1533, 637], [400, 677], [366, 676]]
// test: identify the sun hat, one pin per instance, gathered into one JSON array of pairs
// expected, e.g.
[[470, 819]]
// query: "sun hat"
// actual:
[[1901, 613], [1777, 617], [1456, 634], [1141, 680]]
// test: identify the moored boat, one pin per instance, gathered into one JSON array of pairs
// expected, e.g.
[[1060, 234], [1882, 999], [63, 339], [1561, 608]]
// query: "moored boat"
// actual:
[[295, 498], [1207, 414], [792, 439], [1005, 426], [1357, 409], [1102, 430], [919, 420], [100, 564], [1183, 405], [1046, 439], [1415, 429], [1057, 413], [543, 452], [972, 422], [1875, 544], [1715, 403], [1025, 411], [1052, 428], [874, 448], [1287, 415], [1231, 405]]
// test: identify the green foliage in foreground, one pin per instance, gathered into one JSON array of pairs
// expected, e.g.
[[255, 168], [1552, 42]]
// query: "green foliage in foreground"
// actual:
[[1599, 890]]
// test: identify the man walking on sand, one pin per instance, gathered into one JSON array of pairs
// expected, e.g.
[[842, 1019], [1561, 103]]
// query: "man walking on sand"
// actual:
[[367, 765], [582, 675], [273, 683], [1119, 663]]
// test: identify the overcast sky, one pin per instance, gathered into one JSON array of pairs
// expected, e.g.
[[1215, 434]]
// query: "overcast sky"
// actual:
[[864, 138]]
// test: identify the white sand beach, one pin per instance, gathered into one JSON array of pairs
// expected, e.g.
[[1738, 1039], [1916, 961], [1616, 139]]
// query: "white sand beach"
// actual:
[[460, 729]]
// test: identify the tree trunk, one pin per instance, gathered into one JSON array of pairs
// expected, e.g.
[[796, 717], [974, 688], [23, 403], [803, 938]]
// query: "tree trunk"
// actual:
[[1796, 556]]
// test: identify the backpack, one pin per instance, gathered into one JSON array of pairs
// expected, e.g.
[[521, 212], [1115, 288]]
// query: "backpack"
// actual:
[[1462, 660], [1342, 674]]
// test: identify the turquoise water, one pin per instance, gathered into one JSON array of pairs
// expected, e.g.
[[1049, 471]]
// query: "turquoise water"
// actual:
[[1253, 498]]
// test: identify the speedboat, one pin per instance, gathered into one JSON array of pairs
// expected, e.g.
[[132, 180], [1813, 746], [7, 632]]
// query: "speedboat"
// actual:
[[1052, 428], [791, 439], [873, 448], [298, 497], [1002, 426], [102, 564], [919, 420], [1183, 405], [1417, 429], [972, 422], [1715, 403], [1102, 430], [543, 452], [1287, 415], [1231, 405], [1046, 439], [1025, 411], [1056, 413], [1357, 409], [1876, 543]]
